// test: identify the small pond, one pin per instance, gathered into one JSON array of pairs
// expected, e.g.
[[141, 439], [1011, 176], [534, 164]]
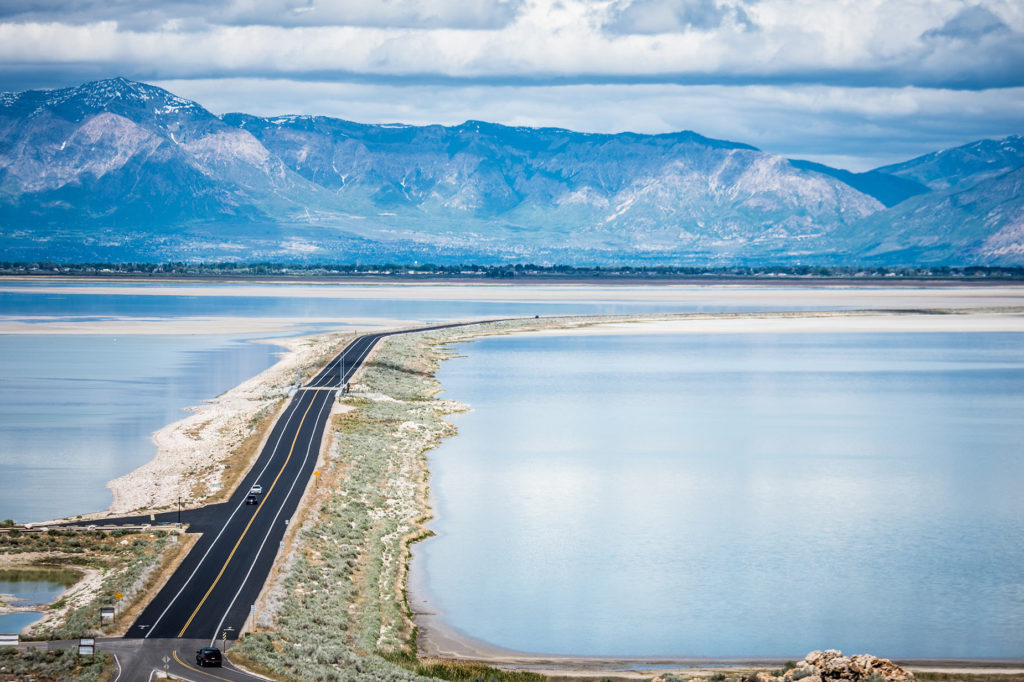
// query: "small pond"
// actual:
[[31, 587]]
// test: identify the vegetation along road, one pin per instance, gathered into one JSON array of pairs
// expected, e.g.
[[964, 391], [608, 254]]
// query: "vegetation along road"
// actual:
[[209, 597]]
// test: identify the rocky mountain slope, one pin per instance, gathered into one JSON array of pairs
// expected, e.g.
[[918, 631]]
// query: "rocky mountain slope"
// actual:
[[119, 170], [962, 167]]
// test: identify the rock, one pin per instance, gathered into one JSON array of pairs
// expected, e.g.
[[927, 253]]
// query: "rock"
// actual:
[[832, 666]]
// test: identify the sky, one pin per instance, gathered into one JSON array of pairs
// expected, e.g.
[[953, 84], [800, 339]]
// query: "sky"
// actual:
[[852, 83]]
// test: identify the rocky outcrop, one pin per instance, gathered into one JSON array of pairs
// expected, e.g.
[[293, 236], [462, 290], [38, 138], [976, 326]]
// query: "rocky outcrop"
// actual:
[[833, 666], [817, 666]]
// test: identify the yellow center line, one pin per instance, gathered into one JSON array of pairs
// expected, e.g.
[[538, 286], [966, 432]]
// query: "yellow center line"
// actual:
[[240, 537], [197, 670]]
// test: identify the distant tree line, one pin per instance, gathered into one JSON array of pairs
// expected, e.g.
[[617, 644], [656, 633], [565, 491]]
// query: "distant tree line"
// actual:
[[501, 272]]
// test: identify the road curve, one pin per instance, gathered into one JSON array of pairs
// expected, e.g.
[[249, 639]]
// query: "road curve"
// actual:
[[210, 595]]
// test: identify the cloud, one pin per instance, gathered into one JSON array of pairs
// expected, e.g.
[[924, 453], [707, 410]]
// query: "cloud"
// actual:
[[971, 23], [675, 16], [891, 42], [795, 76], [190, 15]]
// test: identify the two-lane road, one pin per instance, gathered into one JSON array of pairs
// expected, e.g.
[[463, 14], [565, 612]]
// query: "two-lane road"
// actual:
[[212, 593], [213, 590]]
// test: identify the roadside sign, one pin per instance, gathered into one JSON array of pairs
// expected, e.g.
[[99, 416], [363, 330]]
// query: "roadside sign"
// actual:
[[118, 595], [10, 640], [106, 614], [86, 646]]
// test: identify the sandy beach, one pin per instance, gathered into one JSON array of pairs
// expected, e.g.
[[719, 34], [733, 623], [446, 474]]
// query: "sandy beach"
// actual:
[[191, 452]]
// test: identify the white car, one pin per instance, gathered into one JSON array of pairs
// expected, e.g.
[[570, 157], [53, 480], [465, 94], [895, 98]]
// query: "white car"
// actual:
[[256, 489]]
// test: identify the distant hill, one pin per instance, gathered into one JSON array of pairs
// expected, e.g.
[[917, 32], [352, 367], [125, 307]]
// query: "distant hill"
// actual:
[[981, 224], [888, 189], [120, 170], [962, 167]]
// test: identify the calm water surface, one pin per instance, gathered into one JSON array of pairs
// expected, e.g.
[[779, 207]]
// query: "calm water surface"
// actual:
[[29, 592], [14, 622], [78, 411], [35, 587], [733, 495]]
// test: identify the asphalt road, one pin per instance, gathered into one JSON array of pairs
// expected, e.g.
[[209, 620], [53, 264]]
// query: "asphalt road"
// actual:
[[141, 660], [212, 593]]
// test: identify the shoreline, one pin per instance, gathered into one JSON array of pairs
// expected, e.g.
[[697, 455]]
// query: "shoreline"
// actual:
[[201, 443], [609, 279], [441, 640], [216, 424], [197, 457]]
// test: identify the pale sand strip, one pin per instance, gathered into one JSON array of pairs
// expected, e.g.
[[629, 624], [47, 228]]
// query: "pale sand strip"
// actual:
[[793, 294], [171, 326], [805, 323], [191, 452]]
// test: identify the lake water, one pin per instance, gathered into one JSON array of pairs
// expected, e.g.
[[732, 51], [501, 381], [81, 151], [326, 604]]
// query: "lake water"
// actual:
[[35, 586], [733, 495], [77, 411], [29, 588], [11, 623]]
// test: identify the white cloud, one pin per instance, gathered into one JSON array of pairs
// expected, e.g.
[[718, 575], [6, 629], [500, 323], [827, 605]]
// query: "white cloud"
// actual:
[[896, 42], [808, 78], [189, 15]]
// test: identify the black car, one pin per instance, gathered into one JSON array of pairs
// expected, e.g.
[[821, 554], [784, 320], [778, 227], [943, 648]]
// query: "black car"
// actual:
[[251, 499], [208, 656]]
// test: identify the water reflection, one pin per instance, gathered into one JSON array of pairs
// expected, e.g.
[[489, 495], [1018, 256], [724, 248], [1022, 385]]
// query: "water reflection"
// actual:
[[737, 495]]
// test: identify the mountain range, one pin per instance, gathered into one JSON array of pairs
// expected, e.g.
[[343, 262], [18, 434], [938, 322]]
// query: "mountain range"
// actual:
[[116, 170]]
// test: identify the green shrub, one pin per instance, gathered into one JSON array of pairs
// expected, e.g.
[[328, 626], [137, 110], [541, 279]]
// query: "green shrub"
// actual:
[[57, 665], [457, 671]]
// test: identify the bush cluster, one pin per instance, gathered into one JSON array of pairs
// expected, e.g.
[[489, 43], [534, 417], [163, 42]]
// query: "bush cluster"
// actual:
[[125, 567], [59, 665]]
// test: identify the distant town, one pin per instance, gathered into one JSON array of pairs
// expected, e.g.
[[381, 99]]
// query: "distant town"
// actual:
[[429, 271]]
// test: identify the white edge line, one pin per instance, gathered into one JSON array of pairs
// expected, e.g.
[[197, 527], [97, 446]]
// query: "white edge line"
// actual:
[[152, 627], [118, 666], [309, 447], [358, 363]]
